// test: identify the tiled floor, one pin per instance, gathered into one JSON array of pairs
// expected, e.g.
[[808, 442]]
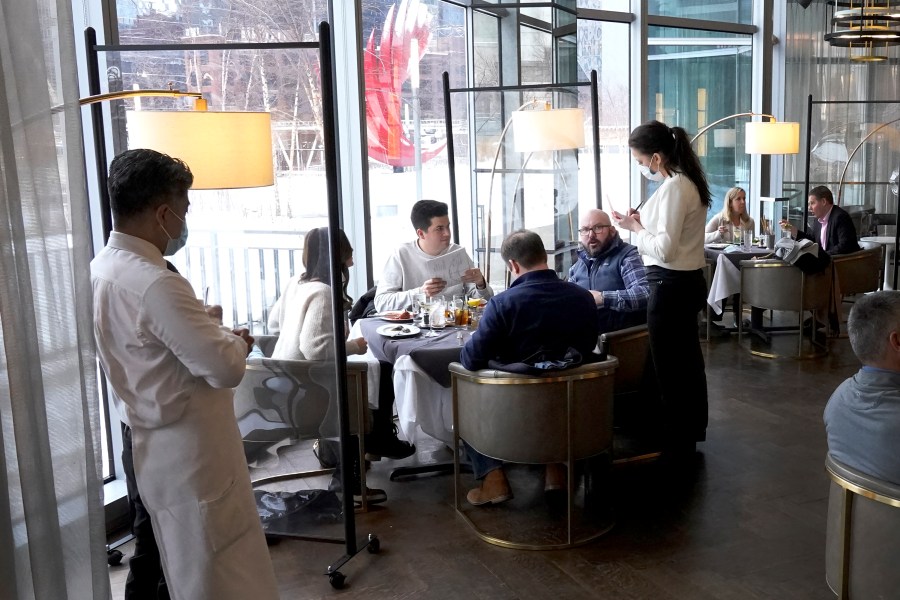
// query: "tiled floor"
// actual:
[[747, 520]]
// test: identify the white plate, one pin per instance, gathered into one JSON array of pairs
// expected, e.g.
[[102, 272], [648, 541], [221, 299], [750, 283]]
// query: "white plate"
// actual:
[[717, 246], [398, 331], [391, 319]]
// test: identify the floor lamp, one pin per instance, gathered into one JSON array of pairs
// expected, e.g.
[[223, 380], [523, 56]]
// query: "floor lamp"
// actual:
[[224, 150], [540, 130], [764, 137]]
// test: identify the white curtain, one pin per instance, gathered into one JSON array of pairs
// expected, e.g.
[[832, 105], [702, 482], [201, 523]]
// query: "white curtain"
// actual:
[[52, 531]]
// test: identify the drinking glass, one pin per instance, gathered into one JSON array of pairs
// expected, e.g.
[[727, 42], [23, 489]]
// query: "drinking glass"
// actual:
[[460, 311], [437, 317], [421, 301]]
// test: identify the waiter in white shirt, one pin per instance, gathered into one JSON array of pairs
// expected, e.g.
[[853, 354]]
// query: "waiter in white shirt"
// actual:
[[172, 369]]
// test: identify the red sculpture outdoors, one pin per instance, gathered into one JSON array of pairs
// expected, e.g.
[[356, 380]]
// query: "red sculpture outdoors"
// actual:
[[386, 69]]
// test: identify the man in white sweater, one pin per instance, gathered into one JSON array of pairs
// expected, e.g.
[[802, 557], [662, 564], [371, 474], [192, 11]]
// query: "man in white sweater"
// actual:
[[412, 268]]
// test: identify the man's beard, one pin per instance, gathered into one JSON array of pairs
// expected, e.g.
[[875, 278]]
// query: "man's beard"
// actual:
[[603, 247]]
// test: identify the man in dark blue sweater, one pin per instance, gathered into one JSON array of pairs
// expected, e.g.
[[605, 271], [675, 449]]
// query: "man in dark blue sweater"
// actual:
[[539, 317]]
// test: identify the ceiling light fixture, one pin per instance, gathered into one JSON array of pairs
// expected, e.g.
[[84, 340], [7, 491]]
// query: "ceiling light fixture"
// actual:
[[864, 26]]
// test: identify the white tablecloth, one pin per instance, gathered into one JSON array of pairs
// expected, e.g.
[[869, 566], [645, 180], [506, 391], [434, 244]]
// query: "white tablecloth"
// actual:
[[726, 282], [419, 399]]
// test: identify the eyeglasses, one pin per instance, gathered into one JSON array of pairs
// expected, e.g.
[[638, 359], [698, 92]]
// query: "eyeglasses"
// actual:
[[597, 229]]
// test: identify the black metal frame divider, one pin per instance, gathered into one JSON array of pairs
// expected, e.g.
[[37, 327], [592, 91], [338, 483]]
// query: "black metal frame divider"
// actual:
[[353, 546], [443, 467], [809, 112]]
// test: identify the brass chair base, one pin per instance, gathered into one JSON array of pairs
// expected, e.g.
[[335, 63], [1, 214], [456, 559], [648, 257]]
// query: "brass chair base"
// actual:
[[516, 545], [509, 524]]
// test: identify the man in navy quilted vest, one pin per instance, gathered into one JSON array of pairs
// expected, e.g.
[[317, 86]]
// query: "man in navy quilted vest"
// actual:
[[612, 270]]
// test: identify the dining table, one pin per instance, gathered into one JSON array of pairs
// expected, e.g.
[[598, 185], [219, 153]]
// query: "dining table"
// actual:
[[420, 372], [889, 242], [726, 280]]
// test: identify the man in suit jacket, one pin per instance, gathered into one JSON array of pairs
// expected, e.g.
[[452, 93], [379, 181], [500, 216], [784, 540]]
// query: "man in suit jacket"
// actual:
[[833, 229]]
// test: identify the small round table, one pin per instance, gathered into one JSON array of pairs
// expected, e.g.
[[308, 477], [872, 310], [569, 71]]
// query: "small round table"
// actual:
[[888, 242]]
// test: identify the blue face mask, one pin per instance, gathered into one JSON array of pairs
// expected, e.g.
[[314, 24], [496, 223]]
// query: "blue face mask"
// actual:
[[174, 245]]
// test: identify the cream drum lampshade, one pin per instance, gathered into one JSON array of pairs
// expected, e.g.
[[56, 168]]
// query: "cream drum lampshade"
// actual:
[[223, 149], [772, 137], [553, 129]]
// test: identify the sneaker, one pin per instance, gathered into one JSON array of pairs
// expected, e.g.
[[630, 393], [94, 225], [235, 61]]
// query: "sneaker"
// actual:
[[328, 452], [388, 446]]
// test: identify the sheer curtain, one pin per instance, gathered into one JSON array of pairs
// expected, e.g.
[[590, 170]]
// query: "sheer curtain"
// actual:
[[52, 531]]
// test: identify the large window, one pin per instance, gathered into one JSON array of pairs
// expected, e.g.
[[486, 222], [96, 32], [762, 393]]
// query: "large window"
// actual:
[[727, 11], [404, 120], [695, 78]]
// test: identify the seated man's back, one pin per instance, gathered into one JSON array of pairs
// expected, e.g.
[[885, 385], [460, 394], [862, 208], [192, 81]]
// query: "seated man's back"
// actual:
[[539, 312], [862, 417]]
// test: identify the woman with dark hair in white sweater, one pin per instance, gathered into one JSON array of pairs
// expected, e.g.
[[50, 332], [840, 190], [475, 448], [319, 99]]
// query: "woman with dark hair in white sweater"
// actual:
[[303, 317]]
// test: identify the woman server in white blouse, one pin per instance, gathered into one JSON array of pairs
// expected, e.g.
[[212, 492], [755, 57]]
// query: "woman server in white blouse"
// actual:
[[670, 235]]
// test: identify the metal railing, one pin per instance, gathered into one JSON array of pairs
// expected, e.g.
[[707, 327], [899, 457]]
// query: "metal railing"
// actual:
[[244, 279]]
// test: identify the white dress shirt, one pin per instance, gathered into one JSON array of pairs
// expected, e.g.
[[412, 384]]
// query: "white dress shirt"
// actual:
[[171, 368], [154, 338]]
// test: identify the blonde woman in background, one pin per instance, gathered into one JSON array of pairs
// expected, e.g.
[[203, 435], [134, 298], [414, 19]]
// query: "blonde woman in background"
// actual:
[[734, 215]]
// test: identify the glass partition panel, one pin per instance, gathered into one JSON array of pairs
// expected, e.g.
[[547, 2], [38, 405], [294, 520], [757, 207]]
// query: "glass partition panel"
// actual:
[[855, 152], [245, 244], [696, 78], [600, 48]]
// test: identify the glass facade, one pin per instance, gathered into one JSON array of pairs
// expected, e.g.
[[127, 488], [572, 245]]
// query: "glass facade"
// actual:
[[725, 11]]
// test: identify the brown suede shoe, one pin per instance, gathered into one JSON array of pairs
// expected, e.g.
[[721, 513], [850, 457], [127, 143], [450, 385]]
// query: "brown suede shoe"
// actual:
[[494, 490], [555, 477]]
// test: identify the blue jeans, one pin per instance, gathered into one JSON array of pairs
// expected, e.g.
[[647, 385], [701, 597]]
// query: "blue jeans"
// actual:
[[481, 464]]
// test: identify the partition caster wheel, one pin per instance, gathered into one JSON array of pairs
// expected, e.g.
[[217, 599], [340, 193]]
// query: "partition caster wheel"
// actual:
[[337, 580], [374, 544], [114, 558]]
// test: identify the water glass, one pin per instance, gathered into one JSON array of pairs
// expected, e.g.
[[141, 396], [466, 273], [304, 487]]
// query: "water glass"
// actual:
[[437, 318], [748, 239], [419, 301]]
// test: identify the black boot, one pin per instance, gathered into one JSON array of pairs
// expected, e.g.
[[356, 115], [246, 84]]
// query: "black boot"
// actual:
[[373, 495], [385, 443]]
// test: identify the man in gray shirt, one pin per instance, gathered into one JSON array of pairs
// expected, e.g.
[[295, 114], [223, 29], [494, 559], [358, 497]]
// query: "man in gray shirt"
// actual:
[[411, 269], [862, 418]]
